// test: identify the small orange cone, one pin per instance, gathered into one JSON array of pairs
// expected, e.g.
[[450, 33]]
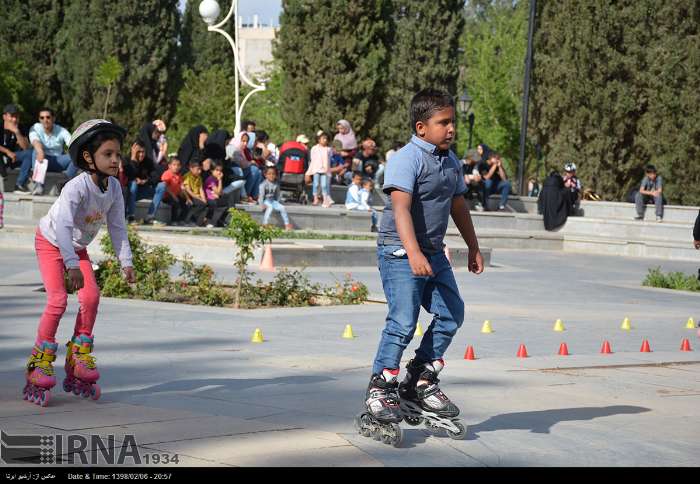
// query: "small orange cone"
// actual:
[[522, 351], [606, 350], [469, 355], [563, 350], [268, 263], [645, 347], [685, 345], [447, 254]]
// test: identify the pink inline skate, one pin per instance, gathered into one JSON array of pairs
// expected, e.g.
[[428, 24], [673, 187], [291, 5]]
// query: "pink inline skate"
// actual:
[[81, 372], [40, 373]]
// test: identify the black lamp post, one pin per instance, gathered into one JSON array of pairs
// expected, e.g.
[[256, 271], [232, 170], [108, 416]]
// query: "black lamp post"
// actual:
[[464, 104], [471, 128]]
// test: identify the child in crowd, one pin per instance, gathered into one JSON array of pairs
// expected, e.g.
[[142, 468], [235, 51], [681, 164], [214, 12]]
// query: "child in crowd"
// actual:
[[319, 168], [425, 186], [174, 195], [358, 197], [213, 189], [194, 190], [270, 196], [85, 204], [573, 186], [338, 167]]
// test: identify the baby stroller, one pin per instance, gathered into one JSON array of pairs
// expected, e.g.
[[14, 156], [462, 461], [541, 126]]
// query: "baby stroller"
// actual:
[[292, 165]]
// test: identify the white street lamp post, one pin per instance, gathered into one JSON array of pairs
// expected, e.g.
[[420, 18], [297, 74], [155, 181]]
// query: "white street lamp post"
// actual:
[[209, 10]]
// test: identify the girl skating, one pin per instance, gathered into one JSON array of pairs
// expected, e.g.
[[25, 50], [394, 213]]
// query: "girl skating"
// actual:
[[85, 204]]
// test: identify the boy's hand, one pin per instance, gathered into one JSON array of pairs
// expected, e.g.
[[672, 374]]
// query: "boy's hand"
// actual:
[[129, 274], [420, 265], [75, 278], [475, 262], [697, 244]]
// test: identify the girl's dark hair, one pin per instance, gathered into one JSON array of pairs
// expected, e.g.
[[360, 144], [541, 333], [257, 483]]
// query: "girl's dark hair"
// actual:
[[216, 164], [92, 146], [322, 134], [426, 103]]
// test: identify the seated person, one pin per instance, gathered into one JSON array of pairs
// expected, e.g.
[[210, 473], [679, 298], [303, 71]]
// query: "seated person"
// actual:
[[495, 180], [270, 198], [650, 191], [48, 140], [14, 146], [214, 191], [366, 160], [169, 190], [140, 178], [473, 180], [359, 197], [573, 186], [338, 164], [194, 191]]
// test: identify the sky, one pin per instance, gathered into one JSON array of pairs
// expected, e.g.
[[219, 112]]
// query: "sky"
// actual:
[[266, 9]]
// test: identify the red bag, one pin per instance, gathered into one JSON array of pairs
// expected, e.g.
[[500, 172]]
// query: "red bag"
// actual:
[[294, 164]]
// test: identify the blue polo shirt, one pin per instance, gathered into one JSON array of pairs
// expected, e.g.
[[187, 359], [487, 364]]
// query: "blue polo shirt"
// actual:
[[53, 142], [433, 177]]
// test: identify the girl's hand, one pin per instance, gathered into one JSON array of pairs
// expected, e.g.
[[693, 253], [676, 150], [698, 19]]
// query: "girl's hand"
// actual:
[[129, 274], [75, 279]]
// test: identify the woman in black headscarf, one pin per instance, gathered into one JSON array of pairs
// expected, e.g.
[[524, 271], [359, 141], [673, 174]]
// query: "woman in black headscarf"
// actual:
[[148, 135], [192, 145], [553, 203], [215, 146]]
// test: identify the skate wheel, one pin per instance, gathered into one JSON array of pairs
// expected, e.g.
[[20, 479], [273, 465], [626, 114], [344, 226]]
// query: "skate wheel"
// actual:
[[86, 392], [458, 435], [67, 386], [76, 389], [25, 392], [376, 432], [413, 421], [95, 392], [392, 435], [44, 398], [365, 423]]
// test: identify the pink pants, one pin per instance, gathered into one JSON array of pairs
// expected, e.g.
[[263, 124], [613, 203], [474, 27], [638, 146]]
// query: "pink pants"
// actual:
[[52, 272]]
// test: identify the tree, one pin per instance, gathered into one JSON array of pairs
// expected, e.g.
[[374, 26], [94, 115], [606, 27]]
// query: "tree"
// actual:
[[142, 35], [615, 86], [206, 98], [106, 74], [201, 49], [27, 32], [334, 62], [421, 56], [495, 43], [266, 107]]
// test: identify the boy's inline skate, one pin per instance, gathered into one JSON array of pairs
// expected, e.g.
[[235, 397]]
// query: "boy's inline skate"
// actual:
[[40, 373], [382, 417], [81, 372], [422, 401]]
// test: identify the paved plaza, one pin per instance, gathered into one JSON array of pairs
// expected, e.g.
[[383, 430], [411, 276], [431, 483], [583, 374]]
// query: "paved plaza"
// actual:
[[186, 380]]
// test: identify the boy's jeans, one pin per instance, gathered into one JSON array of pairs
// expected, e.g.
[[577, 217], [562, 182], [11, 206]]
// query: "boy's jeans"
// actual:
[[56, 164], [136, 193], [405, 294], [275, 205], [640, 201]]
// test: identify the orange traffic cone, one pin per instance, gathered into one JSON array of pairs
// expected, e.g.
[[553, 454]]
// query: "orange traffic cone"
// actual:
[[447, 254], [268, 263], [606, 348], [522, 351], [645, 347], [563, 350], [469, 355], [685, 345]]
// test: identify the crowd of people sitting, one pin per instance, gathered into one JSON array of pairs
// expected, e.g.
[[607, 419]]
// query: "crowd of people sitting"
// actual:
[[210, 172]]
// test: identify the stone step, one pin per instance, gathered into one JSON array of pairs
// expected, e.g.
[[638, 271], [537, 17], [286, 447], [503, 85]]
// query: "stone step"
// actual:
[[626, 211], [627, 229]]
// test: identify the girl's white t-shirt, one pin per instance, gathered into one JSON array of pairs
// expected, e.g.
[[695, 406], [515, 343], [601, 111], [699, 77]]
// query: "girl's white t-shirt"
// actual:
[[80, 211]]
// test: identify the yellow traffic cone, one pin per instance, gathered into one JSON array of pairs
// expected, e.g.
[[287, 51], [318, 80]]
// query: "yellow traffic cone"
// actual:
[[257, 336], [626, 324], [690, 324], [347, 334], [486, 328], [419, 330], [559, 326]]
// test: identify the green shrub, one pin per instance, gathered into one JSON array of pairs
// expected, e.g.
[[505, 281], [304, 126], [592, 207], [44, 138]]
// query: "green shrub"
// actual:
[[672, 280]]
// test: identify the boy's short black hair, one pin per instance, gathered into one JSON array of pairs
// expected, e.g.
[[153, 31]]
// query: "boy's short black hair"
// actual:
[[174, 158], [367, 180], [47, 109], [426, 103], [650, 169], [195, 162], [271, 167], [139, 142], [356, 173]]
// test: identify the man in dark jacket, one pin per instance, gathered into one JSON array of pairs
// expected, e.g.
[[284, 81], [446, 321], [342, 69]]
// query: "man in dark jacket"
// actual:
[[696, 232]]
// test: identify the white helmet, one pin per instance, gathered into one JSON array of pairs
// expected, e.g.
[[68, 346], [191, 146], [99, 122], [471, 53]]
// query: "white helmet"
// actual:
[[570, 167]]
